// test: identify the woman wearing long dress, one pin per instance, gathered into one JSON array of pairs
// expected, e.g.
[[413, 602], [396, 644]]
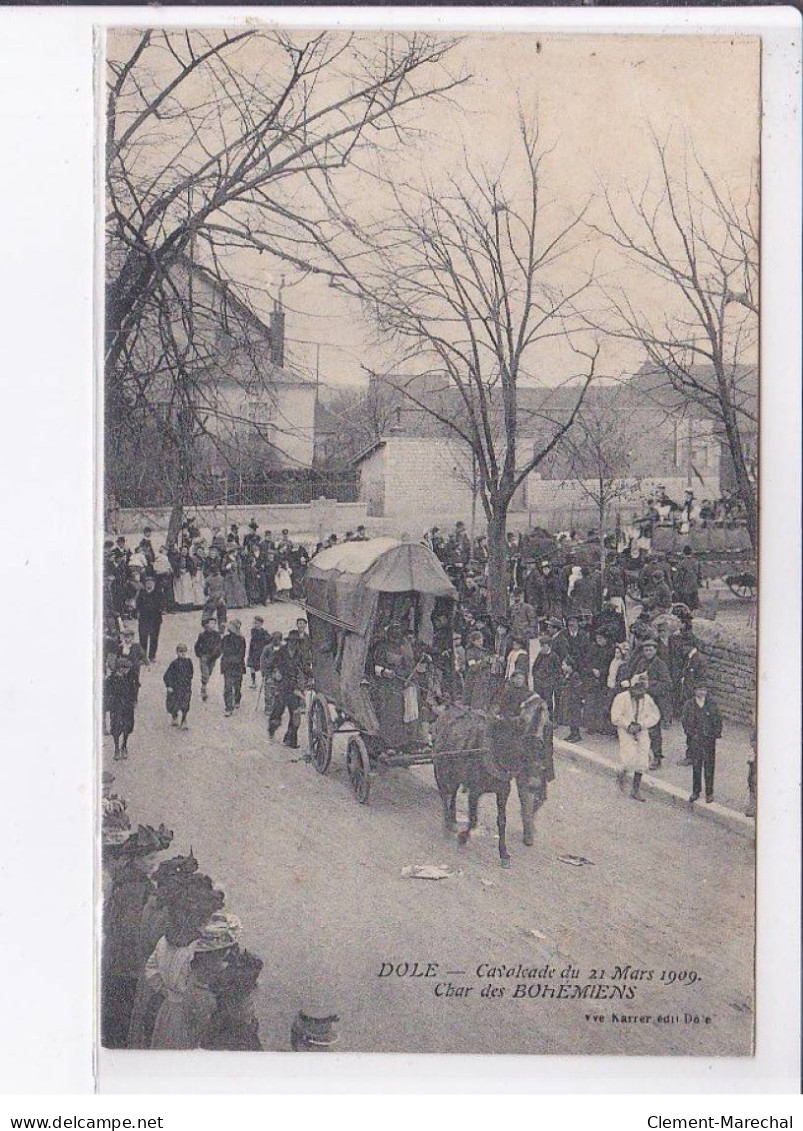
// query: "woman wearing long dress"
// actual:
[[181, 974], [182, 583], [195, 564], [167, 973], [240, 592]]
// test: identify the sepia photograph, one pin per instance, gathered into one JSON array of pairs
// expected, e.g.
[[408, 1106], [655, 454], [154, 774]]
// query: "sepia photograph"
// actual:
[[426, 714]]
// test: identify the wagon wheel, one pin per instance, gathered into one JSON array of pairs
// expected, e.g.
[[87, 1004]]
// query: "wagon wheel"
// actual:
[[742, 587], [359, 768], [319, 730]]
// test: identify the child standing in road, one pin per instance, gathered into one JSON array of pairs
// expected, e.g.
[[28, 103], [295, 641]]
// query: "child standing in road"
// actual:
[[178, 681], [259, 638], [207, 648], [232, 666]]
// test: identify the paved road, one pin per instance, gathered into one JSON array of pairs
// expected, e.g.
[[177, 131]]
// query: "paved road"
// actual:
[[317, 881]]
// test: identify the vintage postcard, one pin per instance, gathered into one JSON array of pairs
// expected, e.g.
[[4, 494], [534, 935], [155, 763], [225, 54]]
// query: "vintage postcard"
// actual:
[[429, 548]]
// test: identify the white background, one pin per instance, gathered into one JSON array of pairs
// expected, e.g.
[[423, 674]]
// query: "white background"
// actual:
[[47, 446]]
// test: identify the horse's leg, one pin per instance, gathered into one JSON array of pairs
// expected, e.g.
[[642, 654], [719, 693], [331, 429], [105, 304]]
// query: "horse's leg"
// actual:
[[501, 822], [473, 806], [527, 790], [447, 789]]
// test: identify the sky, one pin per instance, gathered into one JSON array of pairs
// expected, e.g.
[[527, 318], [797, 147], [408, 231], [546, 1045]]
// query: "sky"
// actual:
[[597, 98]]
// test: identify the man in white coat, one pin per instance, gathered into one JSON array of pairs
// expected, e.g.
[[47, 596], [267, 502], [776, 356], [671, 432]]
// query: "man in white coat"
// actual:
[[633, 712]]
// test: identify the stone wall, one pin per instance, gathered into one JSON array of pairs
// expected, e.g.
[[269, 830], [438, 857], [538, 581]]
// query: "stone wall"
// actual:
[[316, 519], [731, 669]]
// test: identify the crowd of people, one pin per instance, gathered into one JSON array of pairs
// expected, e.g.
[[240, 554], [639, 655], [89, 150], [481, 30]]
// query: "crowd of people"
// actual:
[[174, 973], [592, 668]]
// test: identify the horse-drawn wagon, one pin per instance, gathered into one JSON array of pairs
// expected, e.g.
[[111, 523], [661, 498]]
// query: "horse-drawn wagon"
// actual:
[[724, 552], [378, 611]]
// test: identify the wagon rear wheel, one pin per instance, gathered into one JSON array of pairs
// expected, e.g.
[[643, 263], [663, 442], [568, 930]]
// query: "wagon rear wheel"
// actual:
[[742, 586], [358, 766], [319, 729]]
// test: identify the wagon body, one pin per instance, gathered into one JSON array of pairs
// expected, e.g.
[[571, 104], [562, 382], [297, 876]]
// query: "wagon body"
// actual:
[[355, 589]]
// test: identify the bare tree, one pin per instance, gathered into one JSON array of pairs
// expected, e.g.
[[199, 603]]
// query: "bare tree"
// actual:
[[467, 289], [362, 415], [221, 144], [702, 249], [596, 454]]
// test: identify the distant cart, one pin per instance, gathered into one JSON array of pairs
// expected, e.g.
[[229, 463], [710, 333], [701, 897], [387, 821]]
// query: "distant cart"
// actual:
[[724, 552], [354, 591]]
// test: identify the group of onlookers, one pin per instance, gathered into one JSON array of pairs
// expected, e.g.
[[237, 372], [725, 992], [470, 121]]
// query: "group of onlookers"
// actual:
[[174, 974]]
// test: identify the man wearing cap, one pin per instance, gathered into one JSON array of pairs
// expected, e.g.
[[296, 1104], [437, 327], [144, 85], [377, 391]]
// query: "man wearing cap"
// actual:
[[150, 608], [647, 662], [702, 724], [232, 667], [208, 647], [252, 537], [287, 665], [547, 672], [572, 641], [687, 580]]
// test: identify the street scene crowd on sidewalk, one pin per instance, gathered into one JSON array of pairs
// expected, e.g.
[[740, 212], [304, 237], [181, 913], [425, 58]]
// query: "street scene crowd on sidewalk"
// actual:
[[608, 652]]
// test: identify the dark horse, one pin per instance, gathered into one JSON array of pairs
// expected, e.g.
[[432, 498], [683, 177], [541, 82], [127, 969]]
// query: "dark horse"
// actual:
[[484, 753]]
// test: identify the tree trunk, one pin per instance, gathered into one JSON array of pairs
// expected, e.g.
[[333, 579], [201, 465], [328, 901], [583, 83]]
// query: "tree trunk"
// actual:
[[600, 595], [497, 562], [744, 487], [173, 527]]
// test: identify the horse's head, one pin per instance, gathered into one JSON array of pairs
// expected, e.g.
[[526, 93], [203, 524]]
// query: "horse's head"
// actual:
[[533, 716]]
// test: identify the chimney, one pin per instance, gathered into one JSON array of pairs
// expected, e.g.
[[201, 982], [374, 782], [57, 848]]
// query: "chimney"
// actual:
[[277, 334]]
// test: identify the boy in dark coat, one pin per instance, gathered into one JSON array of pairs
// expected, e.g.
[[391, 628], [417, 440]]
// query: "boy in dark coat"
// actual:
[[259, 638], [288, 676], [702, 724], [572, 698], [547, 673], [178, 681], [232, 666], [208, 647], [121, 688]]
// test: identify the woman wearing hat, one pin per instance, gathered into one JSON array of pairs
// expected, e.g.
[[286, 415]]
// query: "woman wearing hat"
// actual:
[[233, 1025], [122, 914], [181, 974]]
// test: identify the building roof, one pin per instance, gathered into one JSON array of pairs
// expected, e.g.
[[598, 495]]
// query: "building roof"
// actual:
[[542, 408]]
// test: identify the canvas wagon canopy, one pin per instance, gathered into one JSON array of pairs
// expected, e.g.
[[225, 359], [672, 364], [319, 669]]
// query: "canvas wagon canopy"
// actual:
[[348, 592], [344, 580]]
